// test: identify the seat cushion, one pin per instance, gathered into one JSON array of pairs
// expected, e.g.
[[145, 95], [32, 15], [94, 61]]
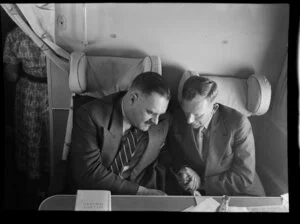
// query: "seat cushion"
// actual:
[[250, 96]]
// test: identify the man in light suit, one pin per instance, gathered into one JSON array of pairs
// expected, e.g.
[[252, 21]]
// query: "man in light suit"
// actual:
[[211, 145], [105, 129]]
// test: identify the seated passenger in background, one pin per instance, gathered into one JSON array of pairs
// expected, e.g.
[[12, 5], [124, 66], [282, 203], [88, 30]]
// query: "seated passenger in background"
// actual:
[[116, 139], [211, 145]]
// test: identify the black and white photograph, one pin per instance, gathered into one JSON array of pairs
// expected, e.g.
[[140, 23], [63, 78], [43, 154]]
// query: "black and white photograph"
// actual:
[[173, 107]]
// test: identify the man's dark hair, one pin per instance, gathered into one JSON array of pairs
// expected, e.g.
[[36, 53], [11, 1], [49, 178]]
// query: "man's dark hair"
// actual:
[[199, 85], [149, 82]]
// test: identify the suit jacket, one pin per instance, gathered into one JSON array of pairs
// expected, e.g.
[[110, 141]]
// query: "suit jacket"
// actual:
[[96, 134], [230, 164]]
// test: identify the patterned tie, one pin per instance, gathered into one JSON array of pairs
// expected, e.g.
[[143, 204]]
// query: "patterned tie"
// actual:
[[125, 153], [198, 133]]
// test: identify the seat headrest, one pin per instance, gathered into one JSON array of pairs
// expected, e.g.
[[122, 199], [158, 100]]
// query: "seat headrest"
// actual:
[[98, 76], [78, 67], [259, 94], [250, 96]]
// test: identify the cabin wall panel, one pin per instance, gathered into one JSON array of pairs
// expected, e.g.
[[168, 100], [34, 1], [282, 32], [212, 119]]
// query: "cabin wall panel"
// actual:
[[271, 154], [59, 103], [60, 118], [226, 39], [60, 92]]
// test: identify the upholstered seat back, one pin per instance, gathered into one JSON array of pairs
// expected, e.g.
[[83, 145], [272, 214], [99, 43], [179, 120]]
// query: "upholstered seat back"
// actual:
[[98, 76], [249, 96]]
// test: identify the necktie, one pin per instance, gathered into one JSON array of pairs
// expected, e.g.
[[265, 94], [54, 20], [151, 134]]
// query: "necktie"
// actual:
[[199, 141], [126, 151]]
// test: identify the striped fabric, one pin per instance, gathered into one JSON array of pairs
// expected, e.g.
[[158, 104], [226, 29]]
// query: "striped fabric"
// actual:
[[121, 163]]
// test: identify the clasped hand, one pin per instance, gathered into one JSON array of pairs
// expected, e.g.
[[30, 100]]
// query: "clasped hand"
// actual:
[[188, 179]]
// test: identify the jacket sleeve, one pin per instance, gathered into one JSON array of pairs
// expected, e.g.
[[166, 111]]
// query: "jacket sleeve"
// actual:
[[241, 173], [174, 149], [85, 159]]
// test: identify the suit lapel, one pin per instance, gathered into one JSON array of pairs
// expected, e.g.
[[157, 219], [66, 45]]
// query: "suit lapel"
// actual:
[[217, 144], [185, 137], [157, 135], [188, 142], [112, 133]]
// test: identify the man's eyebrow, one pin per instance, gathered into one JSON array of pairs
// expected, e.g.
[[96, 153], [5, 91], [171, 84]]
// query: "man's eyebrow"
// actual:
[[150, 111]]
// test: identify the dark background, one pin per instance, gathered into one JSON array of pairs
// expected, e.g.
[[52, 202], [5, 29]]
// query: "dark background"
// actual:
[[11, 199]]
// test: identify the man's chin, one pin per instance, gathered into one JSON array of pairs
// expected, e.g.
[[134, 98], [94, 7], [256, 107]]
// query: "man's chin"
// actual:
[[195, 126], [146, 127]]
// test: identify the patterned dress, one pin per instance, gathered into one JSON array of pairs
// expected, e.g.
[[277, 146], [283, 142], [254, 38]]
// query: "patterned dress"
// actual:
[[31, 104]]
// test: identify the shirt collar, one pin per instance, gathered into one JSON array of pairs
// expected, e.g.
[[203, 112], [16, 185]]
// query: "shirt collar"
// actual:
[[208, 121], [126, 125]]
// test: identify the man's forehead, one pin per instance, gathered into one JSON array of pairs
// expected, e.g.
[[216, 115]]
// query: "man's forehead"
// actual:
[[198, 103], [155, 103], [157, 110]]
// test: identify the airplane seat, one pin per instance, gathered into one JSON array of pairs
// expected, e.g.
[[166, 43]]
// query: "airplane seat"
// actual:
[[251, 96], [93, 77]]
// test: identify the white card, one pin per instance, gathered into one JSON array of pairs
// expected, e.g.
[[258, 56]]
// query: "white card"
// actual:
[[237, 209], [93, 200]]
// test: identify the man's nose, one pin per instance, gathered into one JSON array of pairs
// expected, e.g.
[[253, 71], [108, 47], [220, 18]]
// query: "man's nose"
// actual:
[[190, 118], [155, 119]]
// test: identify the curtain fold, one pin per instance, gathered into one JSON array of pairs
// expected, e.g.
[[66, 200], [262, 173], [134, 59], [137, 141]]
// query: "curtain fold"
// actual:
[[279, 107], [38, 21]]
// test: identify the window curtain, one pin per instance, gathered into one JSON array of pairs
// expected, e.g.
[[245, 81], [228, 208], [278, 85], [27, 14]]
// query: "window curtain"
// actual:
[[38, 22], [279, 108]]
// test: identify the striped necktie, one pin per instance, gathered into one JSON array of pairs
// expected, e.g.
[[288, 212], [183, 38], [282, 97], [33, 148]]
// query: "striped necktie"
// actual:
[[126, 152]]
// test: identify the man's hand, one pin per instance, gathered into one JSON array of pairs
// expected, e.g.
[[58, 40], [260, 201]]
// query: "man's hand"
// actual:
[[147, 191], [188, 179]]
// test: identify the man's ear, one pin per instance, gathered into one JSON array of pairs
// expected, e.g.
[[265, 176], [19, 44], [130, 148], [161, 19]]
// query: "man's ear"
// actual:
[[215, 107], [133, 97]]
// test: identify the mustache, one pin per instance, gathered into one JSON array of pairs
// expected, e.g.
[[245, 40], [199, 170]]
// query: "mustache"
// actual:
[[149, 122]]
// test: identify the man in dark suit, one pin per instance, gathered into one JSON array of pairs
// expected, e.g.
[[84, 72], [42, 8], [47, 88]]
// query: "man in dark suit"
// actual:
[[116, 139], [212, 146]]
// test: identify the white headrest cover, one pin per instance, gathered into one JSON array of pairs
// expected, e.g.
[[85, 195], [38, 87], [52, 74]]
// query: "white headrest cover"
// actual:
[[98, 76], [259, 94], [249, 96], [77, 76]]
